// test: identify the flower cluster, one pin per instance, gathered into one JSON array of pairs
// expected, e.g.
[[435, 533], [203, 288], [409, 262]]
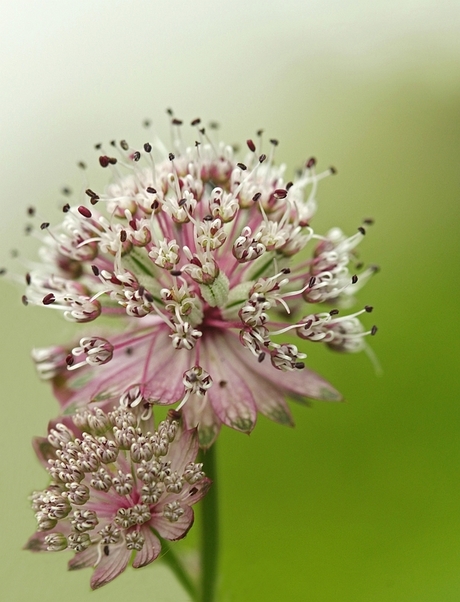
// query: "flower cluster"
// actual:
[[203, 263], [116, 484], [198, 278]]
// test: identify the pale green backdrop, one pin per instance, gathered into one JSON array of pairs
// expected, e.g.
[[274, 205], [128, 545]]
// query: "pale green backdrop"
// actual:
[[360, 502]]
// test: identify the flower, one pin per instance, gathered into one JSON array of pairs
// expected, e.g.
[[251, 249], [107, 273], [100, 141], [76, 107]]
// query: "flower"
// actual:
[[198, 260], [115, 485]]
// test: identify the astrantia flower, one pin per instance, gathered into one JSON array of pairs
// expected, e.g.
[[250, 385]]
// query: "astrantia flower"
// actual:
[[116, 484], [198, 259]]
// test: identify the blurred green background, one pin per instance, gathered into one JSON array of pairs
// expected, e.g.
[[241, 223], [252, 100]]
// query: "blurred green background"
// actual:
[[360, 502]]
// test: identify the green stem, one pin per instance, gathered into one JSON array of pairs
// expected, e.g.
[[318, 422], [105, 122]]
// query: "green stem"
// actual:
[[210, 530], [172, 560]]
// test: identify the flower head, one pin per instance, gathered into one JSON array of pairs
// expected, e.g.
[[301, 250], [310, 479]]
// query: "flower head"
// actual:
[[200, 260], [116, 484]]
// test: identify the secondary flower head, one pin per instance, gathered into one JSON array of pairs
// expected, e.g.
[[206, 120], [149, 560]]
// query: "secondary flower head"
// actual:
[[116, 484], [200, 260]]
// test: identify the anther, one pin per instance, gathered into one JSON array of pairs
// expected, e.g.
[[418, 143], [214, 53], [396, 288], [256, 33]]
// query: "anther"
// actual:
[[251, 145], [362, 230], [66, 191], [333, 312], [84, 211], [368, 308], [196, 121], [91, 194], [113, 143], [31, 211], [95, 269], [104, 161], [24, 300], [149, 297], [48, 299], [262, 158], [171, 157], [81, 165], [299, 365], [242, 166], [70, 360], [310, 163], [333, 170], [261, 357], [146, 123], [136, 156], [123, 236], [176, 121], [286, 271], [176, 272], [373, 330], [289, 185], [44, 225], [66, 208], [354, 279], [98, 146], [147, 147], [274, 141], [280, 193], [151, 190], [311, 282], [257, 196], [3, 272], [368, 221], [28, 277], [124, 145], [214, 125]]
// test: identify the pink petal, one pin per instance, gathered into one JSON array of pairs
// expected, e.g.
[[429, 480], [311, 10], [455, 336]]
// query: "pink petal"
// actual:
[[148, 364], [183, 449], [110, 566], [36, 542], [269, 399], [85, 559], [231, 398], [166, 528], [43, 449], [303, 383], [194, 493], [198, 412], [150, 550], [166, 368]]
